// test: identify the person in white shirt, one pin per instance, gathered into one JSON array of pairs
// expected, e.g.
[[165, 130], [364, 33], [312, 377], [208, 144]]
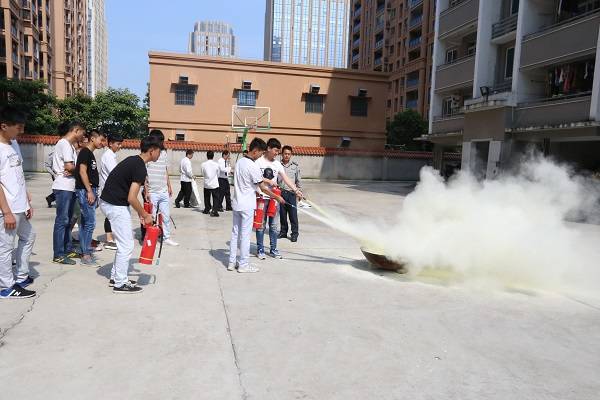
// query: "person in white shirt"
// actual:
[[248, 179], [107, 163], [186, 178], [269, 161], [210, 172], [63, 187], [15, 211], [224, 189]]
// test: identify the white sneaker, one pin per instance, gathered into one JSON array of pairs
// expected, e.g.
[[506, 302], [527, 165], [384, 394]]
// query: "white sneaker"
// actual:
[[248, 269], [261, 255], [231, 266], [171, 242]]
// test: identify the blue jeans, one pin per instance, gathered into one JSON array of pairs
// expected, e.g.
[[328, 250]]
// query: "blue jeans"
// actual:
[[273, 231], [61, 236], [88, 219]]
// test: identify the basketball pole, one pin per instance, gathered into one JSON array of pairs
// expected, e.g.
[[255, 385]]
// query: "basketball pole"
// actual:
[[244, 138]]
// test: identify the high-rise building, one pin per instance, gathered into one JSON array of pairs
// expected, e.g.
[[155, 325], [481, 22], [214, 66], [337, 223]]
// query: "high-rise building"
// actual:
[[69, 43], [212, 38], [311, 32], [97, 48], [510, 75], [24, 38], [395, 36]]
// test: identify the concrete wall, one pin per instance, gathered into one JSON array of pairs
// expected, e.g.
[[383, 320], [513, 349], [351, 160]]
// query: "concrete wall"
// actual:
[[321, 167]]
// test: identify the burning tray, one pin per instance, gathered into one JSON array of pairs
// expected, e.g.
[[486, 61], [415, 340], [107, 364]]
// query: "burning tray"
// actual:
[[381, 261]]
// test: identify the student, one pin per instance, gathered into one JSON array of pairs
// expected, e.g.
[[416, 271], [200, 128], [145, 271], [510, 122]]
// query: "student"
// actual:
[[63, 188], [268, 160], [224, 189], [15, 211], [121, 190], [87, 182], [186, 178], [158, 189], [108, 163], [210, 171], [292, 170], [248, 179]]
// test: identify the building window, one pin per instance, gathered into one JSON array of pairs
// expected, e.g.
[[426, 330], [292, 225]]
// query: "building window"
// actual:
[[179, 136], [514, 7], [510, 58], [358, 106], [246, 98], [313, 103], [451, 56], [185, 95]]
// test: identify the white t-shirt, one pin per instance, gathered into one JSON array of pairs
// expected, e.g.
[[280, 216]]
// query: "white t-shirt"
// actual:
[[275, 165], [63, 152], [224, 168], [107, 163], [247, 177], [12, 179], [210, 172], [185, 168]]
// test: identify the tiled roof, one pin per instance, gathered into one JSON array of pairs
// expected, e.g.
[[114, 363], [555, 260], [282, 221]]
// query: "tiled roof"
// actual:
[[236, 148]]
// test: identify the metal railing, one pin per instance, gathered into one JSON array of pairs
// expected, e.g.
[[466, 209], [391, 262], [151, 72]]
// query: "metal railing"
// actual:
[[414, 3], [378, 61], [379, 26], [356, 28], [555, 98], [355, 58], [501, 87], [452, 114], [412, 104], [356, 43], [416, 21], [504, 26], [563, 22], [378, 44], [457, 60], [414, 42], [412, 82], [357, 12], [380, 9]]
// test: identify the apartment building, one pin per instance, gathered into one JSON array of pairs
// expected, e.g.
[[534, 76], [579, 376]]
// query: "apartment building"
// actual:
[[97, 48], [513, 74], [313, 32], [24, 39], [212, 38], [396, 37]]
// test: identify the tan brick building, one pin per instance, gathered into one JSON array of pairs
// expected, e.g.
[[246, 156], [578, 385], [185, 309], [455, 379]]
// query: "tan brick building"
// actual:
[[191, 98]]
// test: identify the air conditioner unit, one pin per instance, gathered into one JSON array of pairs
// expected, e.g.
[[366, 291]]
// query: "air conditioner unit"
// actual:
[[362, 92], [314, 88], [246, 85]]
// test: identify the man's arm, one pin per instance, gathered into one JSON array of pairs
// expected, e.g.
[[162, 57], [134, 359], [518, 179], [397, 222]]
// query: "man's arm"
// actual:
[[169, 188], [29, 212], [86, 182], [188, 169], [298, 178], [265, 189], [132, 198], [10, 222], [146, 191], [289, 182]]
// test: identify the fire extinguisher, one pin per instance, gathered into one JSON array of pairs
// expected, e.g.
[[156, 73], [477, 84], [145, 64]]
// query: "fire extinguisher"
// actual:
[[151, 238], [259, 213], [272, 208]]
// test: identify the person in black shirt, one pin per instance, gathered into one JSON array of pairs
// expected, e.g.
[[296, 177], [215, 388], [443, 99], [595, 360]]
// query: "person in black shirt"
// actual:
[[86, 190], [121, 190]]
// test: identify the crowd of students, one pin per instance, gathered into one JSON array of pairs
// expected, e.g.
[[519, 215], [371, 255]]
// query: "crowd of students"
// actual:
[[80, 186]]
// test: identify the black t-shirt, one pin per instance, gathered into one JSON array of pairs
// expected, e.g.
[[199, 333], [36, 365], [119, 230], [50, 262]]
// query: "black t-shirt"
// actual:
[[116, 189], [87, 158]]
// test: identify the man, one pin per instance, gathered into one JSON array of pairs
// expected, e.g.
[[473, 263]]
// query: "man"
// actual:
[[121, 191], [186, 178], [87, 182], [210, 171], [158, 189], [248, 179], [63, 188], [48, 165], [224, 190], [15, 211], [292, 170], [268, 160], [108, 163]]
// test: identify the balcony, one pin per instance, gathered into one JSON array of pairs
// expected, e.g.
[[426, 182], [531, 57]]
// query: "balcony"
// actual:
[[380, 9], [414, 42], [357, 12], [378, 61], [448, 124], [379, 26], [416, 21], [410, 83], [415, 3], [562, 42], [356, 28], [355, 58], [554, 111], [378, 44], [504, 27], [455, 75], [356, 43], [412, 104]]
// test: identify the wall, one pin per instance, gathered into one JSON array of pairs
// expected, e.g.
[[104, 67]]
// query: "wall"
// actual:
[[280, 87], [317, 163]]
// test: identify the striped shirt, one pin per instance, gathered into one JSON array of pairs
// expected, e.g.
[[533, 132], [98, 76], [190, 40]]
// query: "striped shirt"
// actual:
[[157, 174]]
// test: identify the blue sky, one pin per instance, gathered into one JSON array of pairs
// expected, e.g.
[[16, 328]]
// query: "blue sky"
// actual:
[[138, 26]]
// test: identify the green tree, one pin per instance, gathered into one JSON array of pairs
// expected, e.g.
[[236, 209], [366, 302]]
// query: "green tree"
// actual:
[[33, 99], [404, 128]]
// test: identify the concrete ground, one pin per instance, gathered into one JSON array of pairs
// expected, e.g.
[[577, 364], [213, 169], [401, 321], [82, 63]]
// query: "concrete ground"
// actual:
[[319, 324]]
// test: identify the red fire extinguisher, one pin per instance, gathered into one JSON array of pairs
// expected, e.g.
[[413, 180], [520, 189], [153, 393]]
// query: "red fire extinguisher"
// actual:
[[151, 238], [272, 208], [259, 213]]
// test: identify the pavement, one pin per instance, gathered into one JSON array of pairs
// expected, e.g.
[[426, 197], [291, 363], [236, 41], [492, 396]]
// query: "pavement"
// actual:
[[319, 324]]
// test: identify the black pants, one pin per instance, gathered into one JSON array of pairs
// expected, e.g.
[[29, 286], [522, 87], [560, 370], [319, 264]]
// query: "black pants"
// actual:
[[287, 209], [107, 228], [214, 193], [185, 193], [224, 193]]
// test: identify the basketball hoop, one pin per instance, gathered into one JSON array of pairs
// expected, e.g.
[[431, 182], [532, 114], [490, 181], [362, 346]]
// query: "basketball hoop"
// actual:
[[249, 118]]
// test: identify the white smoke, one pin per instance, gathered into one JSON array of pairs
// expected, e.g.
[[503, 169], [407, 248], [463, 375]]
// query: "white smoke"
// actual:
[[512, 231]]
